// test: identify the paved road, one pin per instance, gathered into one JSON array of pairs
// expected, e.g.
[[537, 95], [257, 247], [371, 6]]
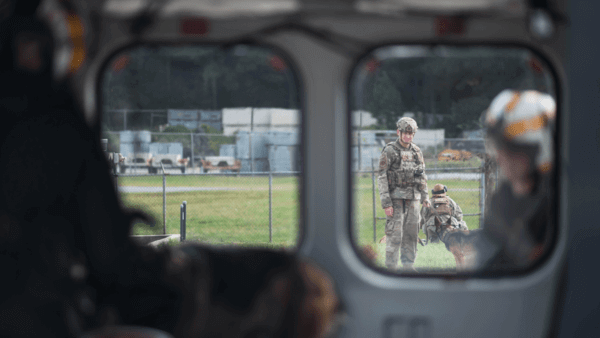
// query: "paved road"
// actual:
[[134, 189]]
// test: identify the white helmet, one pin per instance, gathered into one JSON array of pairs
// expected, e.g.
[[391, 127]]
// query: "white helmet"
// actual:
[[523, 119]]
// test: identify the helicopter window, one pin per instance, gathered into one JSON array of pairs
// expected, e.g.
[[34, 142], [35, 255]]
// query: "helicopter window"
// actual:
[[208, 139], [467, 163]]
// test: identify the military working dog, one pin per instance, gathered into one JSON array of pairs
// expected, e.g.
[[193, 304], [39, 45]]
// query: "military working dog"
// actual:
[[461, 243]]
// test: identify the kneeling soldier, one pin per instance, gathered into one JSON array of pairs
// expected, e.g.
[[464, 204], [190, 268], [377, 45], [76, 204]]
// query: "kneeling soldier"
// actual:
[[445, 209]]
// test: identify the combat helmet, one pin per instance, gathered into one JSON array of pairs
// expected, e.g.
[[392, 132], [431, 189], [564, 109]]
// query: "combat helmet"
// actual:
[[439, 190], [407, 125], [523, 121]]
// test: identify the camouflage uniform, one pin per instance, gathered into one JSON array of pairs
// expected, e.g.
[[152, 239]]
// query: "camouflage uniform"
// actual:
[[446, 209], [402, 185]]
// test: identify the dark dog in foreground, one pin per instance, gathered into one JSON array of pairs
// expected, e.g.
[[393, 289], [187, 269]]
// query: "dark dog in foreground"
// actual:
[[461, 243]]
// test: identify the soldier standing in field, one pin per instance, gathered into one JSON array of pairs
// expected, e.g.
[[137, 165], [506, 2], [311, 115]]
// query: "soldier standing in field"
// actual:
[[402, 187], [443, 207]]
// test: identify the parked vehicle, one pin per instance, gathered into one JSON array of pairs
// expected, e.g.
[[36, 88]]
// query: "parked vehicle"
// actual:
[[135, 161], [168, 155], [171, 161], [220, 164]]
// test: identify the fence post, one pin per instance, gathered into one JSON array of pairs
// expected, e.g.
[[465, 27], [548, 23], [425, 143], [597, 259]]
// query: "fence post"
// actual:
[[435, 152], [182, 219], [192, 143], [115, 161], [250, 140], [374, 208], [360, 147], [164, 181], [482, 182], [270, 204]]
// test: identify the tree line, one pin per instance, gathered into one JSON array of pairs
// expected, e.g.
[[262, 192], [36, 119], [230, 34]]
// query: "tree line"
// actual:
[[445, 88]]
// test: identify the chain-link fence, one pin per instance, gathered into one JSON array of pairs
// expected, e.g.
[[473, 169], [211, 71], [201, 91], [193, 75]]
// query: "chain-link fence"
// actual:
[[222, 208], [244, 188]]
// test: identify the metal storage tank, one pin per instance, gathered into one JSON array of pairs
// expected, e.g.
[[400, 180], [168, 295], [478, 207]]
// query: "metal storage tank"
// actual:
[[283, 151], [129, 136], [166, 148], [283, 158], [227, 150], [251, 149], [130, 148]]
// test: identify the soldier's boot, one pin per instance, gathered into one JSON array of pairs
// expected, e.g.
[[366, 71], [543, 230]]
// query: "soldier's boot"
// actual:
[[408, 267], [390, 262]]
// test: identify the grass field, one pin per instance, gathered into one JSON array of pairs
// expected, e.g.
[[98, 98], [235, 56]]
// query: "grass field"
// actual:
[[430, 258], [241, 216], [220, 217]]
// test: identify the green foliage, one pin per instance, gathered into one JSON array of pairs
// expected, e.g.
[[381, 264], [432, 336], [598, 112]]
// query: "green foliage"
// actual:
[[198, 77], [184, 138], [385, 102], [177, 129], [458, 86], [215, 142]]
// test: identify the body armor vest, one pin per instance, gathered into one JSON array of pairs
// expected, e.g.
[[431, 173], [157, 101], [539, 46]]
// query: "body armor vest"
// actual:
[[442, 206], [401, 170]]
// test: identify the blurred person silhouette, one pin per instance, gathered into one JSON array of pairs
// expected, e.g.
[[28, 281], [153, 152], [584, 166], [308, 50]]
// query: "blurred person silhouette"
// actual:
[[70, 267], [520, 226]]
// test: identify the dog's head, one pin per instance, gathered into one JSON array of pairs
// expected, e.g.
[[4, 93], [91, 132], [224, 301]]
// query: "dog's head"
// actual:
[[443, 228]]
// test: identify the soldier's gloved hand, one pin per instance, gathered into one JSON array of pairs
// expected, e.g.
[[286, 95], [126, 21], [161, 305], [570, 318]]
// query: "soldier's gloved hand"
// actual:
[[389, 211], [426, 203]]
